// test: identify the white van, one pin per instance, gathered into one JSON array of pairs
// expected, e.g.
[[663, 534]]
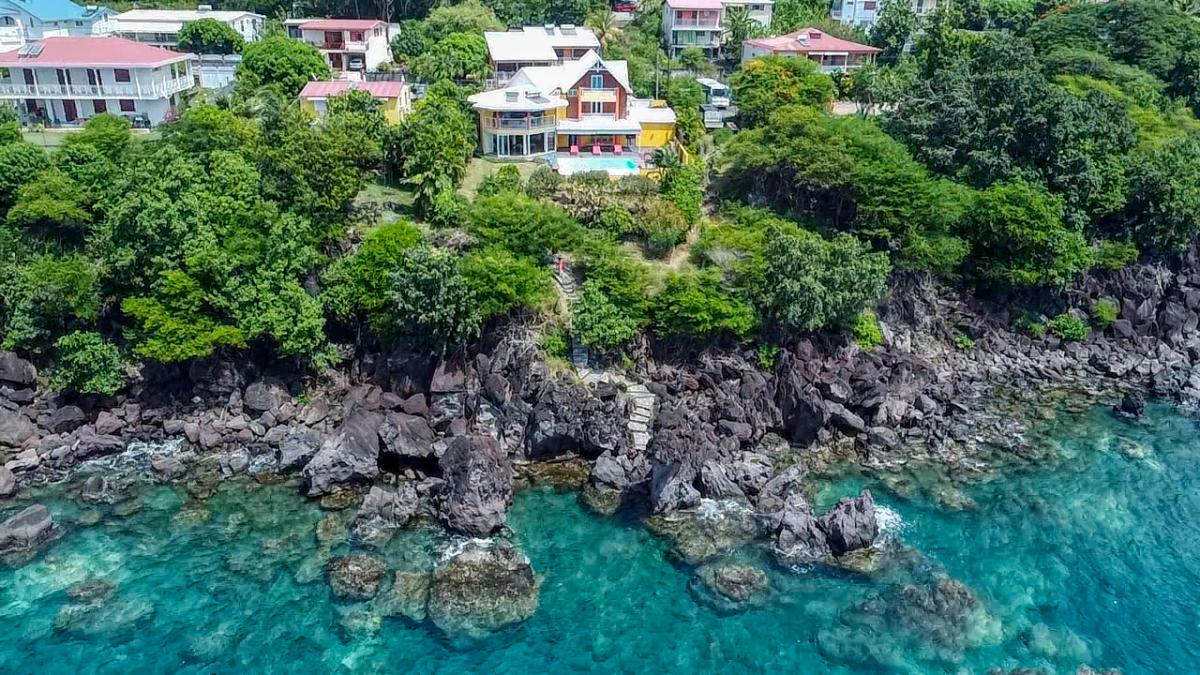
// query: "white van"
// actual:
[[715, 93]]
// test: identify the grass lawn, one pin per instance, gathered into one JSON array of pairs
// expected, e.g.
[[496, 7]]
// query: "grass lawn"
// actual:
[[392, 202], [477, 168]]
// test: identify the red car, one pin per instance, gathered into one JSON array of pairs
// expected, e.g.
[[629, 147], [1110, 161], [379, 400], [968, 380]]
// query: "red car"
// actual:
[[624, 6]]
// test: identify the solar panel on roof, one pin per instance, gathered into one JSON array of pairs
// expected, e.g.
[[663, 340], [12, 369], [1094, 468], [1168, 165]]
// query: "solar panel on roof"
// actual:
[[31, 49]]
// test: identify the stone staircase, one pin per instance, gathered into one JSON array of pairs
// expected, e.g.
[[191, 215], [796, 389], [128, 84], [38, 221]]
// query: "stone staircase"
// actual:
[[643, 402]]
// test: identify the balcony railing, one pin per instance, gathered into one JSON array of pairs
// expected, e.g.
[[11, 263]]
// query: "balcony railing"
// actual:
[[340, 46], [155, 89], [518, 124], [697, 23]]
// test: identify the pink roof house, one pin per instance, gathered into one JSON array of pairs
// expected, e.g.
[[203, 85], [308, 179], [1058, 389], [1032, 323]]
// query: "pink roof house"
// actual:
[[832, 54], [63, 81]]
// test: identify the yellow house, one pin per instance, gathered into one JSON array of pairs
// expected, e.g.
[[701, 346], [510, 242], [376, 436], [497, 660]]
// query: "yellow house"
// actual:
[[580, 116], [395, 97]]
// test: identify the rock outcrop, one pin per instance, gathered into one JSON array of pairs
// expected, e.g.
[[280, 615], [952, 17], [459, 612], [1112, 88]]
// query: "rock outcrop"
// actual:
[[478, 485], [350, 457], [24, 534], [356, 577], [483, 588]]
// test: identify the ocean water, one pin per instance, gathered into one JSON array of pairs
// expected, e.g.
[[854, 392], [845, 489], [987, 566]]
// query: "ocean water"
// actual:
[[1093, 557]]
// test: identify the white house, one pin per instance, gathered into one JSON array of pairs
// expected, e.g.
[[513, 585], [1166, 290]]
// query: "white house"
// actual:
[[701, 23], [160, 27], [864, 13], [24, 20], [549, 45], [351, 46], [63, 81]]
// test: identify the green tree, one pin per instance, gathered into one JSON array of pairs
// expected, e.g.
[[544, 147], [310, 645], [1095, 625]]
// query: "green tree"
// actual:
[[765, 84], [683, 186], [46, 297], [280, 63], [19, 163], [738, 27], [430, 149], [809, 283], [600, 322], [470, 16], [1163, 211], [893, 29], [505, 179], [51, 208], [109, 134], [501, 282], [694, 60], [1018, 238], [432, 302], [209, 36], [603, 23], [457, 56], [410, 43], [178, 322], [697, 304], [360, 284], [664, 227], [86, 363]]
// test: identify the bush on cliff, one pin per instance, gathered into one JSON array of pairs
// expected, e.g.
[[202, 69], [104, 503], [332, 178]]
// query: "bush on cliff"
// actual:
[[697, 304], [86, 363]]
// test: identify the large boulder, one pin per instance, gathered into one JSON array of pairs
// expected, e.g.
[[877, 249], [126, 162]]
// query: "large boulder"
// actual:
[[8, 482], [384, 511], [567, 419], [22, 535], [715, 528], [351, 456], [66, 418], [671, 488], [851, 524], [482, 588], [804, 411], [262, 396], [15, 428], [297, 447], [16, 370], [356, 577], [729, 587], [406, 436], [1132, 405], [799, 539], [478, 485]]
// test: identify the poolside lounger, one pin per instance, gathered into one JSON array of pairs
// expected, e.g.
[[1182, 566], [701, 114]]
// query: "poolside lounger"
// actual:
[[596, 149], [574, 149], [616, 149]]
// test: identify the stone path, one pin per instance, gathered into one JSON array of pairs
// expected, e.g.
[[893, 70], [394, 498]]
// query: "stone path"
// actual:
[[643, 402]]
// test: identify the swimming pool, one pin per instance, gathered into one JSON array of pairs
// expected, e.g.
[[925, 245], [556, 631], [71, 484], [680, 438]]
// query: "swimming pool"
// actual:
[[615, 166]]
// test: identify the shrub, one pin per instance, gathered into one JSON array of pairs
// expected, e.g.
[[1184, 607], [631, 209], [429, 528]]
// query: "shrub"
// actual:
[[502, 282], [361, 282], [543, 182], [683, 187], [432, 301], [1068, 327], [600, 322], [698, 305], [963, 341], [866, 330], [505, 179], [87, 364], [766, 356], [1031, 323], [664, 227], [525, 226], [555, 344], [1114, 255], [447, 209], [617, 221], [1104, 312]]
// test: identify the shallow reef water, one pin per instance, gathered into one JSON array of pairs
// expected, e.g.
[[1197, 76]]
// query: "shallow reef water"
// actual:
[[1093, 558]]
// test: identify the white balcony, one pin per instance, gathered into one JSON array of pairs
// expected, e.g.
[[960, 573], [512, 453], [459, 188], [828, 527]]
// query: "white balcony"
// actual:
[[545, 123], [129, 90]]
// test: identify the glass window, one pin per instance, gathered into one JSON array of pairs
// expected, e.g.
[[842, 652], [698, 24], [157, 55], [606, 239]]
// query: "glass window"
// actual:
[[127, 105], [356, 36], [122, 75], [597, 81]]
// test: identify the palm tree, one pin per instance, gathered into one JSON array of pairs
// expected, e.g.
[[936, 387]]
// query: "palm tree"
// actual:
[[604, 24], [739, 27]]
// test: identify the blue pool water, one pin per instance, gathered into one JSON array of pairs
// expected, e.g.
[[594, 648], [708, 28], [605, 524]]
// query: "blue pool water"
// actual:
[[617, 166], [1093, 559]]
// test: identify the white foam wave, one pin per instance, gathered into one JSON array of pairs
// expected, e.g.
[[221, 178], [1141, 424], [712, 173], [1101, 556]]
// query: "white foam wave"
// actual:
[[890, 522]]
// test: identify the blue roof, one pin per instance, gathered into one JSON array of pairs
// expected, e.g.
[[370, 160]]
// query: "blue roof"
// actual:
[[55, 10]]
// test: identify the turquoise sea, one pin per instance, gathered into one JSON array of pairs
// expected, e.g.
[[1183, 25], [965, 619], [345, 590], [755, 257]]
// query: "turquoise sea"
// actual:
[[1093, 557]]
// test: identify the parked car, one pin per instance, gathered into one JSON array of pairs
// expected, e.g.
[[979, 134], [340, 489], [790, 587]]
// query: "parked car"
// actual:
[[624, 6]]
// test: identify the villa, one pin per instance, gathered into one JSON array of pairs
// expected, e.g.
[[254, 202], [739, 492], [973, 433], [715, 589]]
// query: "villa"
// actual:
[[830, 53], [63, 81], [25, 20], [512, 50], [581, 116], [864, 13], [701, 23], [350, 46], [160, 27], [395, 97]]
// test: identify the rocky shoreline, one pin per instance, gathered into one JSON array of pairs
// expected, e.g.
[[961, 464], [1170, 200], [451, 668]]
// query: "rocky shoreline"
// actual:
[[404, 436]]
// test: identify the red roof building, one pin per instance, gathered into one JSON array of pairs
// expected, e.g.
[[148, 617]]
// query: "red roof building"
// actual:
[[89, 52], [832, 54], [342, 24]]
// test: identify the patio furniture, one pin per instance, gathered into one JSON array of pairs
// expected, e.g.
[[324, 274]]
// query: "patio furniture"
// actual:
[[616, 149], [596, 149], [574, 149]]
